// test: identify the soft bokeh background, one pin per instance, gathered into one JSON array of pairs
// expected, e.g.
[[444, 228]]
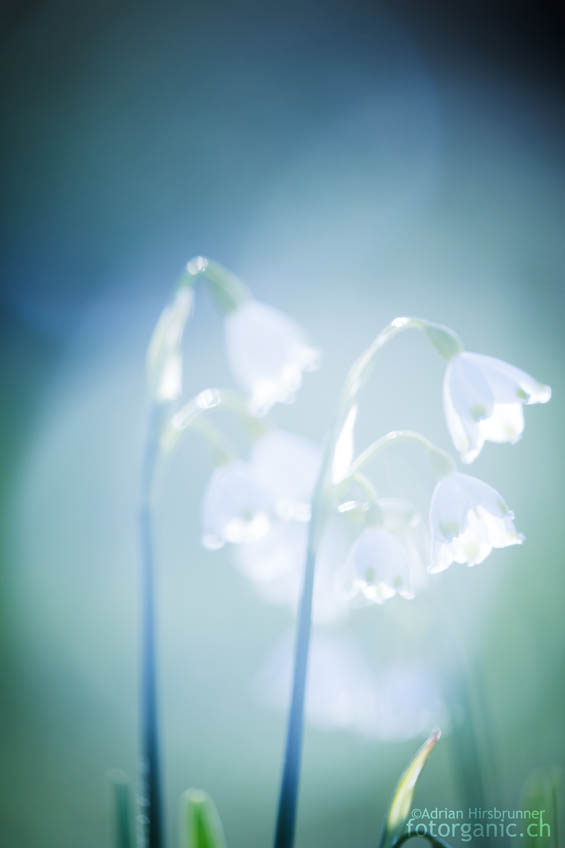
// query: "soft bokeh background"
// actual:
[[351, 162]]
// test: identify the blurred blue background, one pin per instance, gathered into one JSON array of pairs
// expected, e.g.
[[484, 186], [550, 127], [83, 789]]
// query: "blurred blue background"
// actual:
[[351, 162]]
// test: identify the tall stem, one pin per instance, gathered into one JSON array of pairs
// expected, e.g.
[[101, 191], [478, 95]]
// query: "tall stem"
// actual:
[[443, 339], [286, 814], [151, 769]]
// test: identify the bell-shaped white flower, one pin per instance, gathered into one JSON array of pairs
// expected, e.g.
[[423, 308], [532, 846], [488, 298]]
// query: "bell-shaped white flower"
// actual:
[[468, 518], [243, 499], [236, 507], [483, 399], [387, 559], [267, 353], [164, 358]]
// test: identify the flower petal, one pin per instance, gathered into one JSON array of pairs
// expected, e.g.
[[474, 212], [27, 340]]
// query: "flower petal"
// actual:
[[382, 566], [267, 353], [483, 399], [275, 562], [470, 392], [463, 428], [505, 424], [509, 383], [468, 518], [236, 508]]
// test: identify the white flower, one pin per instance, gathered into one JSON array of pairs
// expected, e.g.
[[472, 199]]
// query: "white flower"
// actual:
[[483, 399], [468, 518], [243, 499], [236, 508], [386, 560], [164, 358], [267, 353]]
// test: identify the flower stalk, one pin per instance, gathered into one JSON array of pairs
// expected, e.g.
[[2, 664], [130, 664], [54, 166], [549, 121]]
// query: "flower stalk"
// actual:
[[340, 442], [286, 814], [151, 795]]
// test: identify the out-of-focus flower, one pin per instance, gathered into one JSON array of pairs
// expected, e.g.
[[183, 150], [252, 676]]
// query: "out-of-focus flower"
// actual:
[[287, 465], [409, 704], [164, 359], [244, 499], [267, 353], [483, 399], [387, 559], [468, 518], [340, 690], [275, 565], [236, 508], [399, 703]]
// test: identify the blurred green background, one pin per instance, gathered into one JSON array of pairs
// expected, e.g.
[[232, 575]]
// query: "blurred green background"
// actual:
[[351, 162]]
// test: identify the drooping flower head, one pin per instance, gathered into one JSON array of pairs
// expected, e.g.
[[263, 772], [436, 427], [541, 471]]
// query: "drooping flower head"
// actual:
[[483, 399], [243, 499], [468, 518], [268, 353], [236, 507], [387, 559]]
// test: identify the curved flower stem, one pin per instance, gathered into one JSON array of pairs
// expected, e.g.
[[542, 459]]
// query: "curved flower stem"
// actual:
[[150, 765], [443, 463], [227, 289], [357, 376]]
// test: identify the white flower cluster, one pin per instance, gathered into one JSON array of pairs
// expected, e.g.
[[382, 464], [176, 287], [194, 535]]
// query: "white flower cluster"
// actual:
[[367, 548], [262, 506]]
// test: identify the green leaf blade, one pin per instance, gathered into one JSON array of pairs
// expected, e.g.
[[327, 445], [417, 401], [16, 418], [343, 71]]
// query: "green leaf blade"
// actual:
[[401, 803], [201, 826], [540, 798]]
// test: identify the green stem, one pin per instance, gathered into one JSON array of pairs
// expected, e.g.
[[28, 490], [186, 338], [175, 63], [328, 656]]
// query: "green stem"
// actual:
[[122, 809], [228, 290], [357, 376], [286, 815], [442, 462], [151, 765], [195, 415]]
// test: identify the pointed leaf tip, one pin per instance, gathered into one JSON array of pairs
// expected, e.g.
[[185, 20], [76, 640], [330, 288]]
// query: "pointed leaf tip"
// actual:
[[401, 803], [201, 826]]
